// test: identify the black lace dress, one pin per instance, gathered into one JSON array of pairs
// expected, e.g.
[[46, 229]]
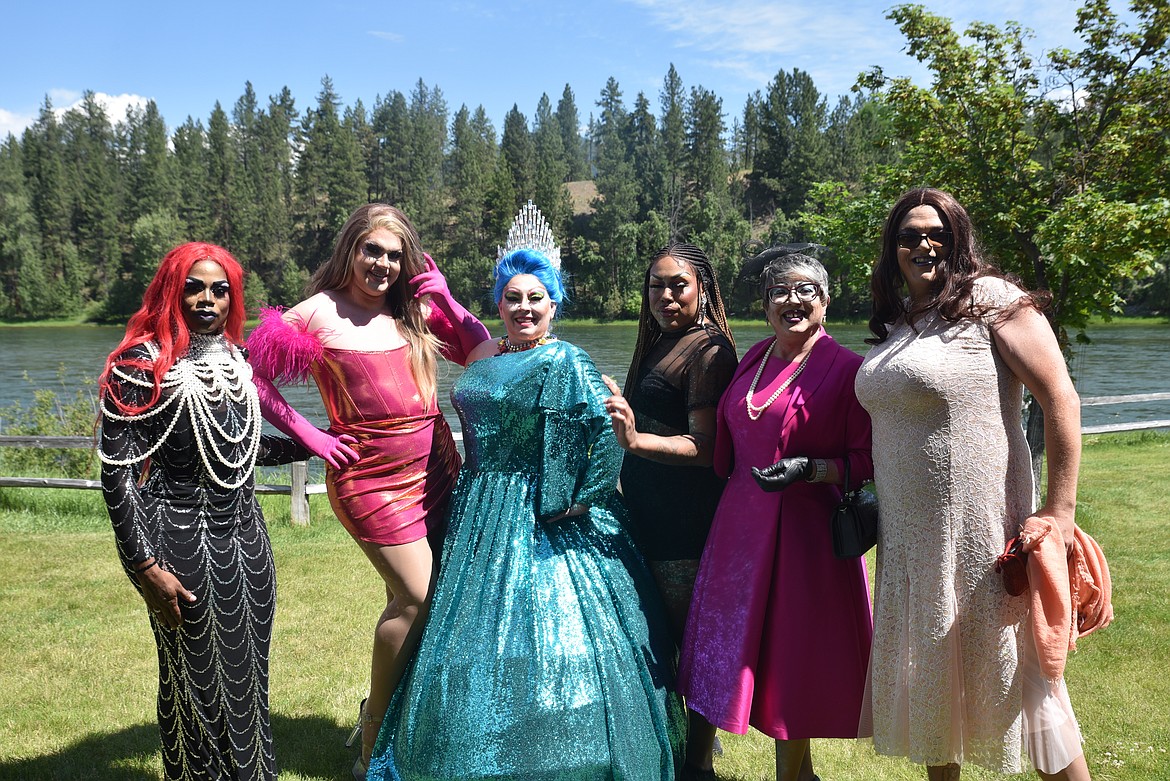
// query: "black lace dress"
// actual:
[[671, 506], [178, 482]]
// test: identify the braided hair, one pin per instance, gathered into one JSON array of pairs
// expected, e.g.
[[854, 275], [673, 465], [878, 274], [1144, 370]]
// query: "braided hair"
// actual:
[[712, 313]]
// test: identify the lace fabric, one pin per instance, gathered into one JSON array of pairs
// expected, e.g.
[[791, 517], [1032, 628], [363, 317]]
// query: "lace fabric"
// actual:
[[954, 479]]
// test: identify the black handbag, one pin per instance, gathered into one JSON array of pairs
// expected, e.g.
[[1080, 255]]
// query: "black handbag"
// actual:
[[854, 521]]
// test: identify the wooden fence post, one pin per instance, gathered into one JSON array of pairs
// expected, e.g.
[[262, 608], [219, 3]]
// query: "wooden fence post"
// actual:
[[299, 499]]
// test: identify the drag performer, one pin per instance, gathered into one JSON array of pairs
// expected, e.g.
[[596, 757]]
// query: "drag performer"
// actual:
[[180, 435]]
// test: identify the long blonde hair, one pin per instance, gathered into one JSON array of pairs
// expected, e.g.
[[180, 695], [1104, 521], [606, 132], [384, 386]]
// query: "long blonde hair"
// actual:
[[334, 274]]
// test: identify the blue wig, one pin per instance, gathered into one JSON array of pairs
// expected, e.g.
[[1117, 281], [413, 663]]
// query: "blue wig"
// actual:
[[529, 261]]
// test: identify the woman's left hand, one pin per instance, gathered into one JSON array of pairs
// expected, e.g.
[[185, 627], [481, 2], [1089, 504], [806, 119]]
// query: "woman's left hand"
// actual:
[[1066, 524], [431, 282], [783, 473], [621, 416]]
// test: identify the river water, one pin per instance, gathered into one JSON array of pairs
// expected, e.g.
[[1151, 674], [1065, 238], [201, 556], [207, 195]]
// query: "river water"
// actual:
[[1121, 360]]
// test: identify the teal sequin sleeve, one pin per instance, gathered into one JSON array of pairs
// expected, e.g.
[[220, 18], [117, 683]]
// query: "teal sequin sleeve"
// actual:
[[581, 458]]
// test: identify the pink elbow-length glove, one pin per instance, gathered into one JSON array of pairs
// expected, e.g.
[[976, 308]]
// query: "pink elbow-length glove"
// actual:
[[335, 451], [466, 326]]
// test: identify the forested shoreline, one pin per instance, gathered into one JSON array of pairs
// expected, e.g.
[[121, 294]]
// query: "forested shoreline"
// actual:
[[1059, 156]]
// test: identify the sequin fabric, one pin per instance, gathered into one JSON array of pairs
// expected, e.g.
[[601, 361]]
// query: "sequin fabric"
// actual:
[[178, 482], [546, 655], [954, 480]]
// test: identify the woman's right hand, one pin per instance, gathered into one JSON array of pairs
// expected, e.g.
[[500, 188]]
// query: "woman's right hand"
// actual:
[[621, 416], [162, 591]]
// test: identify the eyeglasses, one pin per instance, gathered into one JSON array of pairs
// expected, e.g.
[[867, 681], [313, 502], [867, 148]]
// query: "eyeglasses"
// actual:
[[936, 239], [805, 292], [375, 251], [195, 287]]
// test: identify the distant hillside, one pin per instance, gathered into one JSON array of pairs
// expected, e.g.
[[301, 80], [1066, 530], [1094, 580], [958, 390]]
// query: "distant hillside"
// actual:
[[582, 193]]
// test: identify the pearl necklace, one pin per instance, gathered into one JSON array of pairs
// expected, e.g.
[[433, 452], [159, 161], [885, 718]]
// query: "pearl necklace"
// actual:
[[211, 374], [507, 347], [755, 412]]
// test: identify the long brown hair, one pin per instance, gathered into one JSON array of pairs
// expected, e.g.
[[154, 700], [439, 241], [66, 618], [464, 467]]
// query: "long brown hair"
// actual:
[[963, 264], [160, 318], [334, 274], [711, 308]]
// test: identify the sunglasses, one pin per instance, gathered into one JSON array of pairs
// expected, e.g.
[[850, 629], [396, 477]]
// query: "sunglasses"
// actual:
[[936, 239], [375, 251], [195, 287]]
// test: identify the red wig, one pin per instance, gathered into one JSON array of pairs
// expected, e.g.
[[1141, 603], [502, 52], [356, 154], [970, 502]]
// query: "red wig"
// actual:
[[160, 319]]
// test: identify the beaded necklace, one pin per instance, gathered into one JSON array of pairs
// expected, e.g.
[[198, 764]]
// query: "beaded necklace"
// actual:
[[755, 412], [507, 347], [210, 376]]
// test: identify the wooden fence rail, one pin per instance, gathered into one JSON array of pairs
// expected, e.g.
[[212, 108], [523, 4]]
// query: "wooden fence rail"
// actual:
[[300, 489]]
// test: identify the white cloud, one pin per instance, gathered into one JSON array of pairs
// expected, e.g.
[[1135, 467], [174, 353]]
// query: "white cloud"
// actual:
[[115, 105], [64, 97], [385, 36], [64, 100], [753, 39], [1068, 99], [14, 123]]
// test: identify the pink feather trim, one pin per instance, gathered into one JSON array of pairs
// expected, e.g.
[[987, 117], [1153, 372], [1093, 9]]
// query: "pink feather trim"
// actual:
[[282, 351]]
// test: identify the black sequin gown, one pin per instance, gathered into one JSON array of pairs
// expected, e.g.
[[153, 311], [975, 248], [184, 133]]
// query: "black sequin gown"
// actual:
[[178, 483]]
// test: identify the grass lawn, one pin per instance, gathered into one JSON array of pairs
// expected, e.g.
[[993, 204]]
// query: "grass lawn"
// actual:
[[78, 669]]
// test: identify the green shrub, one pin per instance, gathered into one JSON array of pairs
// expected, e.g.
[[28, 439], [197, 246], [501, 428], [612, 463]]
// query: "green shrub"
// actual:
[[69, 413]]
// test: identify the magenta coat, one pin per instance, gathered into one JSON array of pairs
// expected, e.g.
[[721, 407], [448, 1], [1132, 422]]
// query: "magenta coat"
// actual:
[[779, 629]]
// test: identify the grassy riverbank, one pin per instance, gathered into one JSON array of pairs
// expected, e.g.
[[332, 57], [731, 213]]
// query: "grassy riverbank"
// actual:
[[78, 675]]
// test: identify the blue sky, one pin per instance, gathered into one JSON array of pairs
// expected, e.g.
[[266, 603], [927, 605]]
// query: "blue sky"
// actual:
[[186, 56]]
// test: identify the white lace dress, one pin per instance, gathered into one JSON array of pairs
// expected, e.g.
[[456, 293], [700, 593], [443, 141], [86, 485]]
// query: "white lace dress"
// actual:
[[954, 481]]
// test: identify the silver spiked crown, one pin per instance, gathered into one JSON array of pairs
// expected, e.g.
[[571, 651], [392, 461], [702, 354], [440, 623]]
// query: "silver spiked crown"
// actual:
[[530, 231]]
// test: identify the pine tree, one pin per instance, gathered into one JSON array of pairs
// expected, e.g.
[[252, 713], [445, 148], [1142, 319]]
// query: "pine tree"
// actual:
[[150, 177], [391, 124], [647, 159], [22, 289], [612, 288], [92, 165], [245, 185], [221, 178], [274, 193], [672, 102], [793, 154], [424, 200], [329, 182], [192, 171], [357, 122], [571, 141], [517, 154], [550, 170], [469, 170]]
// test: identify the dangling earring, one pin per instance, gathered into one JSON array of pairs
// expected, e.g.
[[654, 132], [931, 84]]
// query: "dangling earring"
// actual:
[[702, 310]]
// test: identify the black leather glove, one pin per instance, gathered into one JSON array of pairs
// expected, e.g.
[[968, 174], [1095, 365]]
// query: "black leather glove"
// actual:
[[783, 473]]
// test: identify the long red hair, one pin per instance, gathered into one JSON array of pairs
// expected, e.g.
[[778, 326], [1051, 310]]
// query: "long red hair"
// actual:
[[160, 319]]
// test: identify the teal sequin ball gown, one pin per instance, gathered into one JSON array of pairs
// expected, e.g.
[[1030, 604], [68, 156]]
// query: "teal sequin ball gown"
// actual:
[[545, 655]]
